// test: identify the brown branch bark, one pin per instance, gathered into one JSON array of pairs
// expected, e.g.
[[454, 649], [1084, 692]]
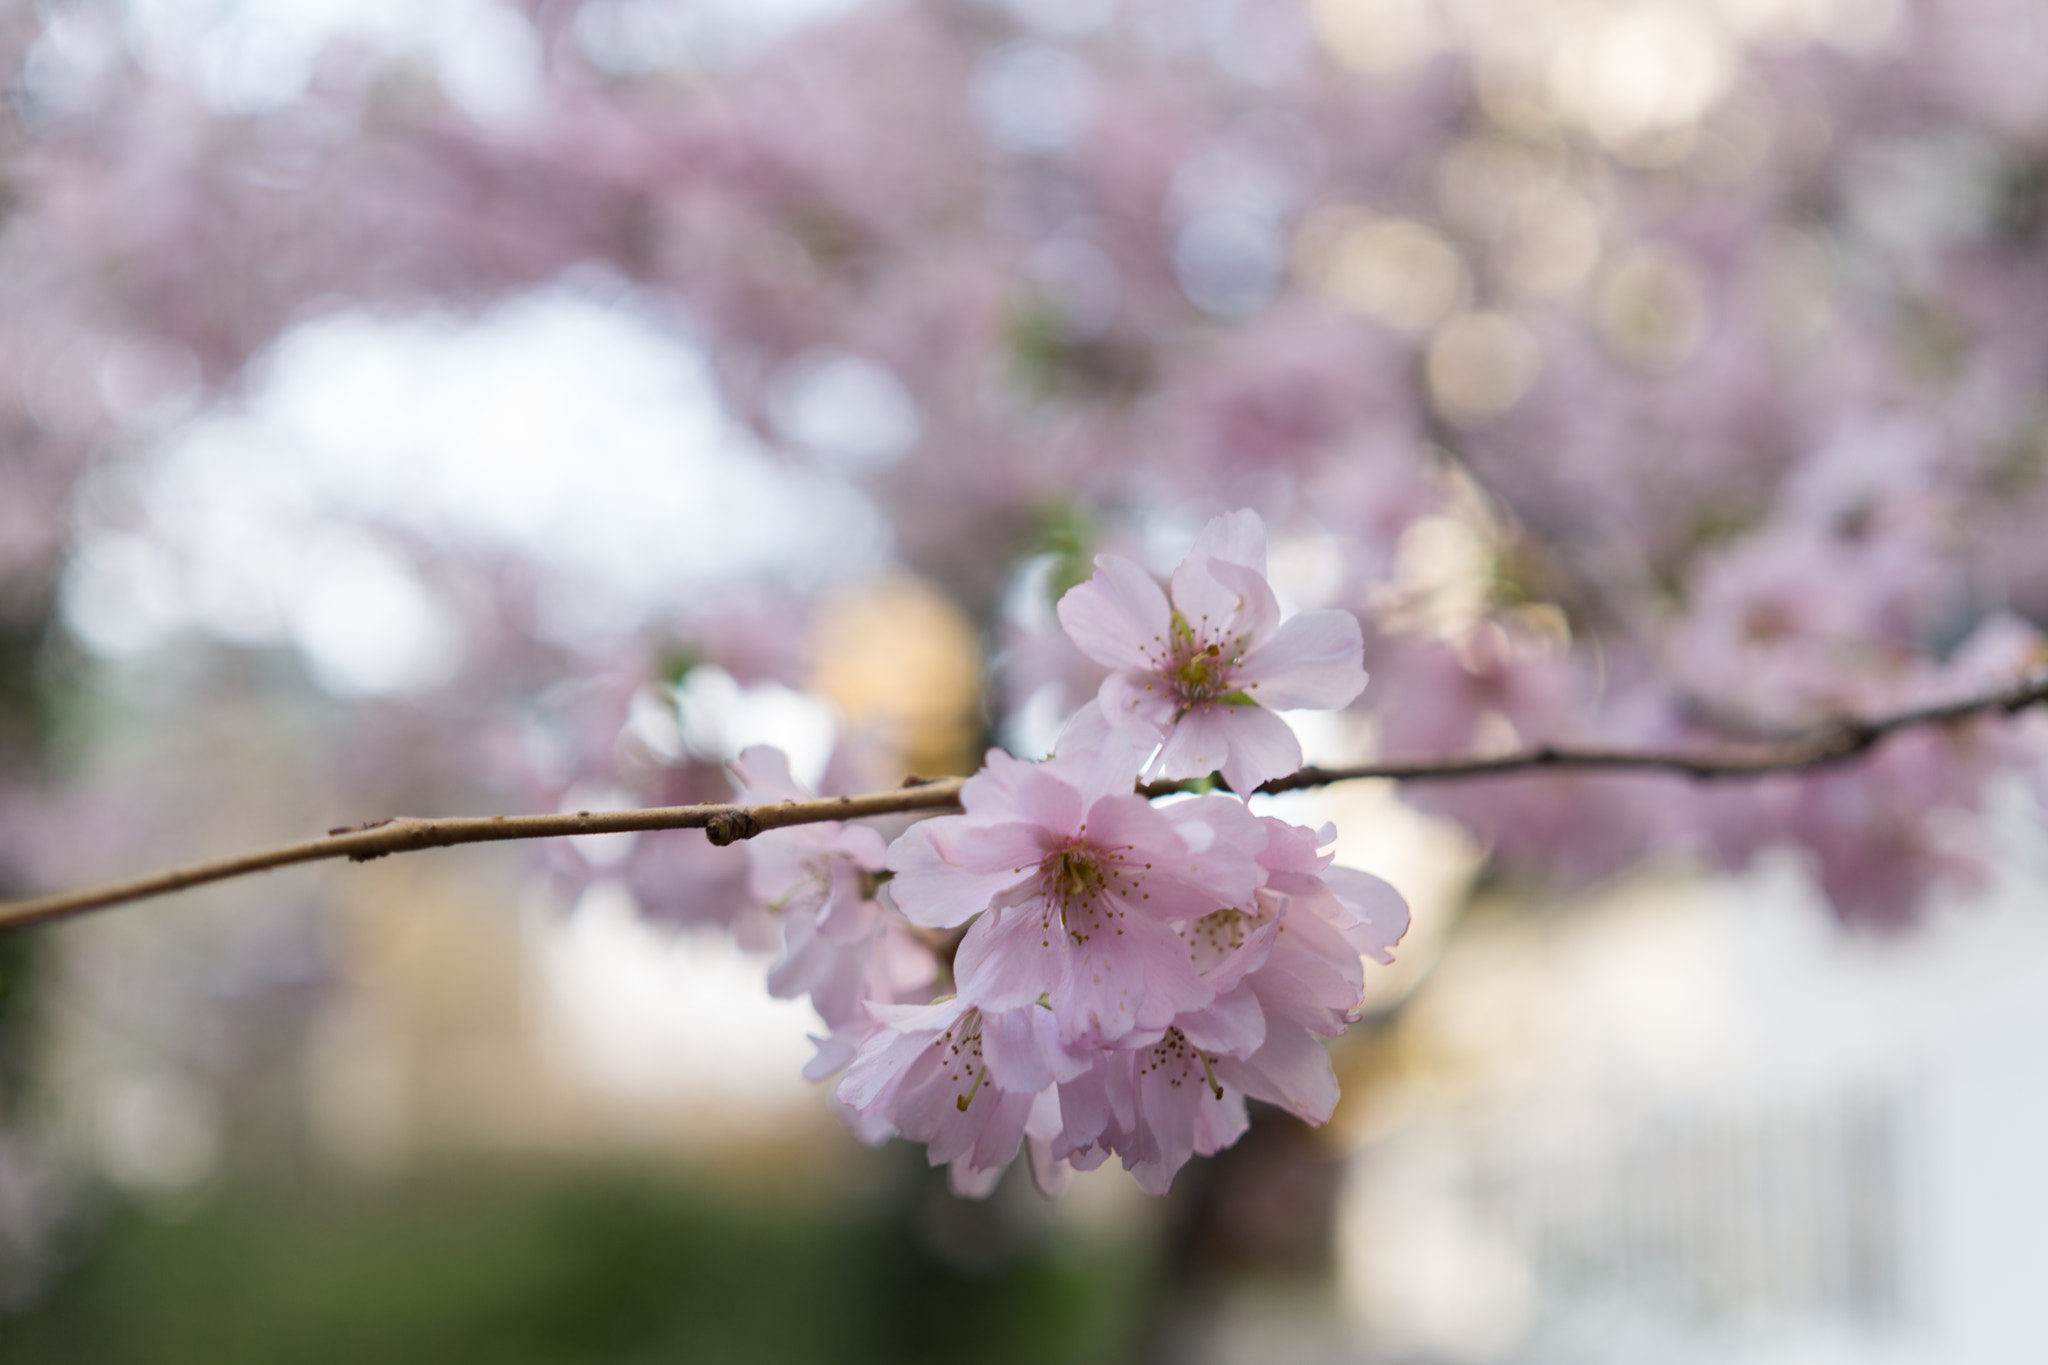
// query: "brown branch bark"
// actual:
[[725, 824]]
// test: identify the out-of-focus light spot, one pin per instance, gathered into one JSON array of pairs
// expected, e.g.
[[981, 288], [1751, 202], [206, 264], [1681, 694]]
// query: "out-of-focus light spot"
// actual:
[[1731, 145], [1796, 281], [147, 385], [1256, 42], [641, 37], [158, 1134], [1915, 196], [121, 595], [652, 721], [1229, 263], [1376, 37], [570, 435], [1268, 162], [904, 663], [1403, 274], [849, 412], [634, 37], [1031, 730], [718, 718], [491, 69], [366, 623], [1306, 570], [1480, 365], [1443, 576], [1062, 18], [1033, 98], [1481, 182], [1553, 245], [1652, 309], [1853, 25], [66, 67], [1641, 69], [645, 1015]]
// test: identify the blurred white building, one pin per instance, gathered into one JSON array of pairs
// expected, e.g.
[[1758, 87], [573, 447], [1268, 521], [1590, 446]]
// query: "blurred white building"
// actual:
[[1693, 1121]]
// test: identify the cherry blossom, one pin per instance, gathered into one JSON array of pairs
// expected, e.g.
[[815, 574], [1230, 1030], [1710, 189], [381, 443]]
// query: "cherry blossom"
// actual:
[[1203, 673], [1076, 880]]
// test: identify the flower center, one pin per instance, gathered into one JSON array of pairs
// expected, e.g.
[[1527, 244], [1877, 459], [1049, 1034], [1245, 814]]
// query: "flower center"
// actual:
[[1197, 671], [1073, 885], [1179, 1063]]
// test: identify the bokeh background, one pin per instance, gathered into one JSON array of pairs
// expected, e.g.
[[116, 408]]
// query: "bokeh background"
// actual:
[[462, 405]]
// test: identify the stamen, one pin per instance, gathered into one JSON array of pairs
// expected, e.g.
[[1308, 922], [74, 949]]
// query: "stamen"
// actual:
[[964, 1100]]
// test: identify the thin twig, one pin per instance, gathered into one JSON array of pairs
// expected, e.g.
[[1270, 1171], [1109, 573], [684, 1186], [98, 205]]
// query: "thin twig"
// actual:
[[1820, 748], [361, 843], [725, 824]]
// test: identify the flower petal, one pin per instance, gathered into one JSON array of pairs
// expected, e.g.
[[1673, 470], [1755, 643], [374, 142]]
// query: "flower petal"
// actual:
[[1315, 659], [947, 870], [1120, 617], [1262, 747], [1238, 537], [1292, 1070]]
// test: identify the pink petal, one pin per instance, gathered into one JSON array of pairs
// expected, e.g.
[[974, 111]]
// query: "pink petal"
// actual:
[[1211, 609], [1316, 659], [1238, 537], [1119, 618], [1382, 915], [1011, 1048], [1235, 1025], [948, 870], [1258, 611], [1262, 747], [1292, 1070], [1197, 744], [1137, 705], [1107, 767]]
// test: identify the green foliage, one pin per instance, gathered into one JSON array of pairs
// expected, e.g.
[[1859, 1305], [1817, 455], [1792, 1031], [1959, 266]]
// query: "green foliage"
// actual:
[[516, 1267]]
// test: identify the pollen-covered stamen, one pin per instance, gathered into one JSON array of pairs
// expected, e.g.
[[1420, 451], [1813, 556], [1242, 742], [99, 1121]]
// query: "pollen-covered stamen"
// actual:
[[1175, 1060], [1198, 668], [1216, 936], [960, 1055], [1076, 884]]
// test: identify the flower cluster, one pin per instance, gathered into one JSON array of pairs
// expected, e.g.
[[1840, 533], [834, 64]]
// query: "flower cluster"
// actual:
[[1127, 974]]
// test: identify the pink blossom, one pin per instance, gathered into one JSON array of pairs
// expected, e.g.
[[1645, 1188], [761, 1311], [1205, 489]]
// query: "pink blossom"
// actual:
[[969, 1083], [818, 882], [1080, 880], [1202, 674]]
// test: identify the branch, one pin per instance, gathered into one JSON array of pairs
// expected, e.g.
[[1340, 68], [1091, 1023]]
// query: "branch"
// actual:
[[1820, 748], [725, 824]]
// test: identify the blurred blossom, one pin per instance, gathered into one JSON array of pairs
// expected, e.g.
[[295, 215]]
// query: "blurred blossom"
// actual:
[[719, 719], [1033, 98], [577, 396], [1641, 68], [851, 413], [1377, 37], [1229, 262], [367, 626], [1652, 308], [1480, 365], [1063, 18], [1400, 273], [642, 37]]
